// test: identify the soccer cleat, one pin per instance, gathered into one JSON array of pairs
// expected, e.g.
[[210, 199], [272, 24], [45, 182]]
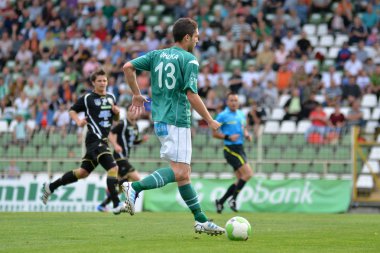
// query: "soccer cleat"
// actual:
[[232, 204], [101, 208], [119, 209], [219, 206], [45, 193], [130, 197], [209, 228]]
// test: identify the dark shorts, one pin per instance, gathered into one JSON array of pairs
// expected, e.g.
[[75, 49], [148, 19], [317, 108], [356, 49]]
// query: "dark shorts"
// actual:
[[235, 156], [124, 165], [98, 153]]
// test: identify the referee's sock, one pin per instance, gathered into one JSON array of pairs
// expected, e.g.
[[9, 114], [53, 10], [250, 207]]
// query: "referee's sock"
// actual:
[[157, 179], [238, 188], [228, 193], [67, 178]]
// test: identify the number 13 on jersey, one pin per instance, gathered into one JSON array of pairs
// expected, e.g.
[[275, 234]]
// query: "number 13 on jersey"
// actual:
[[169, 70]]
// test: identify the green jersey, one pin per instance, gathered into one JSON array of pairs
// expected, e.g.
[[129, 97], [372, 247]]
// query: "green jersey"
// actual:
[[173, 72]]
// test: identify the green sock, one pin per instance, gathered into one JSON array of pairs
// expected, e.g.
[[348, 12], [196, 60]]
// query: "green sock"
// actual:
[[157, 179], [191, 199]]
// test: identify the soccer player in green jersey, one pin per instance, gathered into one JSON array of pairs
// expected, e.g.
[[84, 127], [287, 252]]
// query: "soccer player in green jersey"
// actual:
[[174, 75]]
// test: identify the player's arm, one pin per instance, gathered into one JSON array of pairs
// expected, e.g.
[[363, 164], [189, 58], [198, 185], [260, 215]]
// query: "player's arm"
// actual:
[[74, 115], [112, 137], [79, 106], [198, 105]]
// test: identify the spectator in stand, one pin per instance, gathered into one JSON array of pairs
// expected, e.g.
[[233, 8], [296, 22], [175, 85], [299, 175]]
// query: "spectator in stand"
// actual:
[[22, 105], [308, 106], [44, 117], [270, 95], [13, 171], [235, 82], [370, 18], [346, 10], [355, 115], [61, 119], [255, 118], [250, 75], [267, 75], [351, 92], [302, 8], [280, 55], [24, 56], [357, 31], [220, 89], [289, 41], [21, 132], [343, 55], [375, 81], [361, 52], [253, 92], [333, 94], [203, 91], [337, 23], [265, 57], [319, 122], [32, 90], [337, 120], [284, 77], [353, 65], [363, 81], [320, 6], [293, 106]]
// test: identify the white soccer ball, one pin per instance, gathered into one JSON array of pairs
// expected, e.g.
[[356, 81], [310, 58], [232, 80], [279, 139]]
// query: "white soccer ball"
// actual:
[[238, 229]]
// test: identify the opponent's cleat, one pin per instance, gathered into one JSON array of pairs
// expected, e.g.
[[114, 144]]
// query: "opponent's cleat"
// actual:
[[209, 228], [219, 206], [101, 208], [232, 204], [130, 197], [45, 193], [119, 209]]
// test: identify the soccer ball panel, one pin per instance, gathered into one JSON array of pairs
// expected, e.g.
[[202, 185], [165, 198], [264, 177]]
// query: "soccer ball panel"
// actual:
[[238, 229]]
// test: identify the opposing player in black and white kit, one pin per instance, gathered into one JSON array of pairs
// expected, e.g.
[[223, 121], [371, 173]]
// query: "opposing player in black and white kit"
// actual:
[[123, 137], [100, 110]]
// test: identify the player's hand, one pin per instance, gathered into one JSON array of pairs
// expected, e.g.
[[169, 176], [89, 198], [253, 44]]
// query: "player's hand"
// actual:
[[249, 137], [137, 107], [234, 137], [214, 125], [82, 123], [115, 109], [118, 149]]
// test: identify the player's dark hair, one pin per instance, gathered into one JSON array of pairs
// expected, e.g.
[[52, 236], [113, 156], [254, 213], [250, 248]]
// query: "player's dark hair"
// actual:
[[99, 72], [182, 27], [231, 94]]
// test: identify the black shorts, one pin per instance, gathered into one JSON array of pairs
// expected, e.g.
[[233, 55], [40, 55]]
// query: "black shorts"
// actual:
[[235, 156], [98, 152], [124, 166]]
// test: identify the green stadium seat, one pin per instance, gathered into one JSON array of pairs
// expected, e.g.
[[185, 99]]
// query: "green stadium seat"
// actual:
[[268, 168], [158, 9], [152, 20], [273, 153], [343, 153], [29, 152], [5, 139], [23, 166], [199, 140], [13, 151], [142, 152], [326, 153], [37, 166], [145, 8], [285, 167], [2, 151], [220, 153], [45, 151], [291, 153], [338, 168], [208, 152], [54, 140], [61, 152], [39, 139], [301, 168], [70, 165], [199, 167], [297, 140], [267, 140], [281, 140], [56, 166], [216, 167], [308, 153], [317, 168], [70, 140], [167, 19], [234, 63]]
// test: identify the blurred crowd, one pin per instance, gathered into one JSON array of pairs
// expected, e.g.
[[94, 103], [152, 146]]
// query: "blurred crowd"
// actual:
[[255, 48]]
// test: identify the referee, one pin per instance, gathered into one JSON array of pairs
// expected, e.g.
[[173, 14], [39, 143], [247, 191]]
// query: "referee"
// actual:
[[233, 131]]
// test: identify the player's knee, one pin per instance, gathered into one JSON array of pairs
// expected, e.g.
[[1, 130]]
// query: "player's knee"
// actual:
[[112, 172], [81, 173], [182, 175]]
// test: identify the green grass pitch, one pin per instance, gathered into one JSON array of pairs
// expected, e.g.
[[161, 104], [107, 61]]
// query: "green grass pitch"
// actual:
[[173, 232]]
